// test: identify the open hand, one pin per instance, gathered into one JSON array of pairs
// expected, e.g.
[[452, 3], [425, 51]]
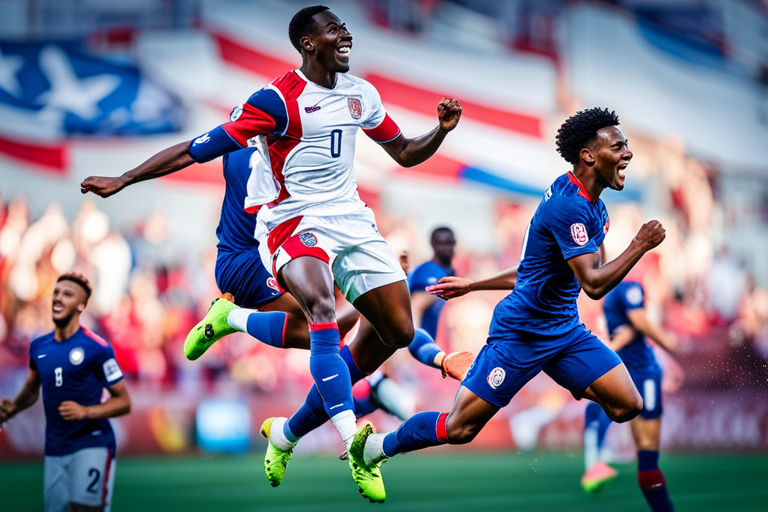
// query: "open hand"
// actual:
[[448, 113], [449, 287]]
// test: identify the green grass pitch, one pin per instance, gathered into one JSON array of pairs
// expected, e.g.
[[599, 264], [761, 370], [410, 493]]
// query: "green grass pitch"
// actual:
[[461, 482]]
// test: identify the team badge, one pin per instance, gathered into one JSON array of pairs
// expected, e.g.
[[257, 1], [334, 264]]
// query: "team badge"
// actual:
[[236, 113], [634, 295], [76, 356], [579, 233], [308, 239], [272, 283], [607, 226], [111, 370], [355, 107], [496, 377]]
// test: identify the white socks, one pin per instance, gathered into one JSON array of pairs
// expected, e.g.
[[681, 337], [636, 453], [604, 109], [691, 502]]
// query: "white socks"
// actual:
[[346, 423], [374, 449], [238, 318], [277, 436]]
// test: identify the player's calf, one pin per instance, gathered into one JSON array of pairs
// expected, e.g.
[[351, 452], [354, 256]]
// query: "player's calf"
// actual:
[[459, 431]]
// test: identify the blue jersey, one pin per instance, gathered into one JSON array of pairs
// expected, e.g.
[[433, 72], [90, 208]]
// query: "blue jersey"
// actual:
[[76, 369], [236, 226], [566, 224], [628, 295], [239, 269], [426, 274]]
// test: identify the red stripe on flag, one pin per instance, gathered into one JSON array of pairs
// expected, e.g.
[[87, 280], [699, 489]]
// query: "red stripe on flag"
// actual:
[[52, 157], [425, 102], [208, 173], [246, 57], [437, 166]]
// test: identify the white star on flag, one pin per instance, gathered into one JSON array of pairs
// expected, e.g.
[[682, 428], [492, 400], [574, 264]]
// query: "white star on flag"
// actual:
[[9, 66], [68, 92]]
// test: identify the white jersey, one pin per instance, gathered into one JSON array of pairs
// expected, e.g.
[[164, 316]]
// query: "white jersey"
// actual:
[[306, 134]]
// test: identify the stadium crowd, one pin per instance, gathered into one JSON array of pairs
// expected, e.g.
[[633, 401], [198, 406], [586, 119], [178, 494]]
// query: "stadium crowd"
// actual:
[[147, 296]]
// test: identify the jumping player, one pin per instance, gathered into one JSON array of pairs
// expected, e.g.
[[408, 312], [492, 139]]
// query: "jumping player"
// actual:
[[318, 228], [73, 365], [536, 327], [628, 325]]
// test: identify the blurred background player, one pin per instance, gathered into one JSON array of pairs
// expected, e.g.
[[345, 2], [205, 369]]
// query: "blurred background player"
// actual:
[[628, 325], [73, 366]]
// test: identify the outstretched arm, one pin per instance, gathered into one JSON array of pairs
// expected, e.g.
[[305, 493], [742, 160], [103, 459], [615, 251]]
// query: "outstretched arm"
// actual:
[[167, 161], [597, 280], [409, 152], [642, 323], [26, 397], [117, 405], [452, 287]]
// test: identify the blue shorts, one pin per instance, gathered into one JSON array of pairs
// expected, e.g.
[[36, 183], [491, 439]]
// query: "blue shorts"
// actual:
[[648, 384], [243, 275], [509, 360]]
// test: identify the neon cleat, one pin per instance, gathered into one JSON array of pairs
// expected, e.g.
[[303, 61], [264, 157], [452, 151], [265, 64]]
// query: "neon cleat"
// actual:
[[210, 329], [367, 477], [597, 476], [275, 460]]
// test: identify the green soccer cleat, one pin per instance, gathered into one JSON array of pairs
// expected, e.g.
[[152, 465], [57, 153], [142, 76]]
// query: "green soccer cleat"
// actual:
[[597, 476], [367, 477], [210, 329], [275, 460]]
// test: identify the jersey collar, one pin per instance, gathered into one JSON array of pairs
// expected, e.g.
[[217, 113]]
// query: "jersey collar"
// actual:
[[582, 189]]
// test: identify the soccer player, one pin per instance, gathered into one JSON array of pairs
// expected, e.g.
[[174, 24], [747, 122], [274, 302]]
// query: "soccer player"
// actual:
[[320, 231], [425, 306], [536, 327], [73, 365], [628, 325]]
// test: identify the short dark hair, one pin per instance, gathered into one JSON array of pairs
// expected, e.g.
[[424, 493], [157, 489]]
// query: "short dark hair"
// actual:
[[581, 128], [80, 279], [440, 229], [302, 24]]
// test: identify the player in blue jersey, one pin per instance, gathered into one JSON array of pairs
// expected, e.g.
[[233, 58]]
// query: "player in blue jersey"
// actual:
[[73, 366], [536, 327], [628, 325], [427, 307]]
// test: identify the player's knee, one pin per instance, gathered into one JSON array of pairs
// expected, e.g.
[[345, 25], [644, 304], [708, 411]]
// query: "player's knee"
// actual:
[[459, 433], [322, 311], [400, 336], [626, 411]]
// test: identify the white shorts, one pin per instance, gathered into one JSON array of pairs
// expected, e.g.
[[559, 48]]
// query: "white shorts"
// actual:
[[84, 477], [359, 258]]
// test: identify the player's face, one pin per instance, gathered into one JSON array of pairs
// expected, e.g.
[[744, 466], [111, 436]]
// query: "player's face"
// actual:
[[333, 42], [612, 156], [68, 300], [443, 243]]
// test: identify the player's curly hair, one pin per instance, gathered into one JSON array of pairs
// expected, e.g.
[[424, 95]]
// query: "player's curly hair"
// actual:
[[302, 23], [80, 279], [580, 129]]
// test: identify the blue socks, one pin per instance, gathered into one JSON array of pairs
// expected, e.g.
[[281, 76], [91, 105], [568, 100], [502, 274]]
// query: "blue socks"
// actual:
[[419, 431], [652, 481], [267, 327], [328, 369], [423, 348], [312, 414]]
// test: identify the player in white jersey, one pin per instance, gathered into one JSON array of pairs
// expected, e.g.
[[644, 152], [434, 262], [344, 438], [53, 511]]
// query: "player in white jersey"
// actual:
[[318, 229]]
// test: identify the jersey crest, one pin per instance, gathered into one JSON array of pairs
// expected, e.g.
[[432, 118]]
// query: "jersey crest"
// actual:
[[579, 233], [76, 356], [496, 377], [308, 239], [355, 107]]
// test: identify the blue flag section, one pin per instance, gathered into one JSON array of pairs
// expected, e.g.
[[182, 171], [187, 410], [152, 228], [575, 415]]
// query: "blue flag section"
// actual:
[[50, 91]]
